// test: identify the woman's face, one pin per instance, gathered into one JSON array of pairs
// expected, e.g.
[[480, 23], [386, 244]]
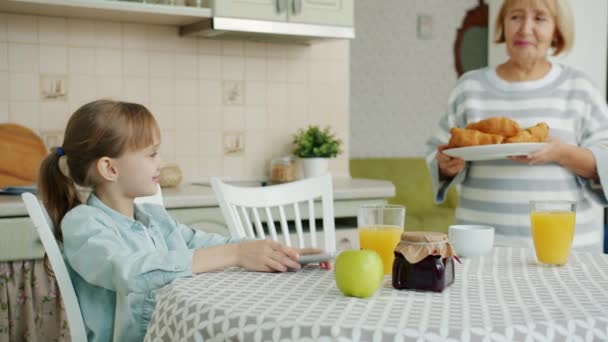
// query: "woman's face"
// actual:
[[529, 29]]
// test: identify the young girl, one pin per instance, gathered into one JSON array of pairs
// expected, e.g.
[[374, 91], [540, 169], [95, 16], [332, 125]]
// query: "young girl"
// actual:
[[119, 253]]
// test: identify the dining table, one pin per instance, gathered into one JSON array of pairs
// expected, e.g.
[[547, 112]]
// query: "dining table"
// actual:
[[502, 296]]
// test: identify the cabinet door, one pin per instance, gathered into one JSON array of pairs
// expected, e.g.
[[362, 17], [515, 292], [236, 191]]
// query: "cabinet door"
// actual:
[[322, 12], [275, 10]]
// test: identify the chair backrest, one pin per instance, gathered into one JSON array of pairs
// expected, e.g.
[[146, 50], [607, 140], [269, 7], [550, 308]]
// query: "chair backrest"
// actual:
[[44, 227], [154, 199], [241, 208]]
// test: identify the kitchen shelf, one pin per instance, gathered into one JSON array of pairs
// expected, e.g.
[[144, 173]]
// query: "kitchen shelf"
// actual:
[[109, 10]]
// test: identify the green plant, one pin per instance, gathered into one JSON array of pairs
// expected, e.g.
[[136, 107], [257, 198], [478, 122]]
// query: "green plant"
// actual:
[[314, 142]]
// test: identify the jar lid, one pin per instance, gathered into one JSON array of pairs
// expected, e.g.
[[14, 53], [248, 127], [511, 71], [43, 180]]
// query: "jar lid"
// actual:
[[415, 246], [283, 159]]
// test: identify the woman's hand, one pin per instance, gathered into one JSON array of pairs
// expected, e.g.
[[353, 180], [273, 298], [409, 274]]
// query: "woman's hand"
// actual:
[[448, 166], [267, 256], [552, 152]]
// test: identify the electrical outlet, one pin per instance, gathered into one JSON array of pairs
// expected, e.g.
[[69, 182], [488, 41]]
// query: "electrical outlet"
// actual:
[[234, 143], [426, 26], [233, 92]]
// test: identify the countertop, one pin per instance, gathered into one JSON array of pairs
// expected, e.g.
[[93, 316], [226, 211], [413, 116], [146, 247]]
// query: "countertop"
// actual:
[[192, 196]]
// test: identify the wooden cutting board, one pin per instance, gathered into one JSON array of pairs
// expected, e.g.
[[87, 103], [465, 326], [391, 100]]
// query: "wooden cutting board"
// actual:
[[21, 152]]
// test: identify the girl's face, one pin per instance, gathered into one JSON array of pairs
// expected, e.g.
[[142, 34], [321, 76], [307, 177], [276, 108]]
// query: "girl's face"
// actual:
[[529, 29], [139, 171]]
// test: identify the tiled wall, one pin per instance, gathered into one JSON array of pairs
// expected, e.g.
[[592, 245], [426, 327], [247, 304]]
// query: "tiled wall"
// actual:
[[400, 83], [200, 90]]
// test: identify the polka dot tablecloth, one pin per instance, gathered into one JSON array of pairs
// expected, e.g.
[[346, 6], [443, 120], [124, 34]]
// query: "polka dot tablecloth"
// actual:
[[504, 296]]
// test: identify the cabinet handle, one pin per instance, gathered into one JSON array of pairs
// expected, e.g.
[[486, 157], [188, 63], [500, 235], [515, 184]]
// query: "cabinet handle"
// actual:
[[281, 6], [297, 6]]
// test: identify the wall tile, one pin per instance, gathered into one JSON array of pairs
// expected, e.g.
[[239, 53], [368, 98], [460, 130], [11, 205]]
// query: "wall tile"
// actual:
[[26, 114], [256, 117], [255, 69], [276, 50], [277, 93], [233, 118], [108, 34], [4, 114], [81, 33], [135, 63], [210, 92], [82, 89], [186, 45], [22, 28], [167, 145], [186, 66], [210, 117], [23, 57], [110, 87], [136, 89], [3, 27], [4, 88], [165, 115], [108, 62], [208, 46], [297, 70], [189, 166], [161, 64], [186, 92], [53, 59], [3, 56], [210, 167], [232, 48], [187, 144], [297, 94], [134, 36], [209, 67], [233, 68], [53, 115], [162, 38], [255, 93], [162, 90], [255, 49], [52, 30], [278, 116], [81, 60], [187, 117], [24, 86], [234, 167], [210, 143], [276, 70]]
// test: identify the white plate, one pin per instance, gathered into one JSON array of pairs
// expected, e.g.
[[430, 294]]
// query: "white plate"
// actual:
[[497, 151]]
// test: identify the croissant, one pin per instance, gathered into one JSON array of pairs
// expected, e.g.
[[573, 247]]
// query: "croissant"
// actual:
[[496, 125], [537, 133], [462, 137]]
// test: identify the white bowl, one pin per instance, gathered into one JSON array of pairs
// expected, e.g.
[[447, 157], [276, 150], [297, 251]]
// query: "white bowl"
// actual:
[[470, 240]]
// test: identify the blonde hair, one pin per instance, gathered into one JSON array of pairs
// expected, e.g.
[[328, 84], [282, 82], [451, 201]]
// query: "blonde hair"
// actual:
[[102, 128], [562, 14]]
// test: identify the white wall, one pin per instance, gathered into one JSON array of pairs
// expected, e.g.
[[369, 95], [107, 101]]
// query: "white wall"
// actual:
[[399, 83], [591, 37]]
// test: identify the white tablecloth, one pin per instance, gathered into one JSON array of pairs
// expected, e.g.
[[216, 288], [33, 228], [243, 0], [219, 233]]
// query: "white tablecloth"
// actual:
[[503, 296]]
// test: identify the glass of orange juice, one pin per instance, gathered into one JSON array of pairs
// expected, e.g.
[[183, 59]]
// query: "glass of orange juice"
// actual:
[[380, 228], [552, 224]]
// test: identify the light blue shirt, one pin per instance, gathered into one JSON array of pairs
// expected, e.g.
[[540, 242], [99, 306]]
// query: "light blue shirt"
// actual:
[[116, 267]]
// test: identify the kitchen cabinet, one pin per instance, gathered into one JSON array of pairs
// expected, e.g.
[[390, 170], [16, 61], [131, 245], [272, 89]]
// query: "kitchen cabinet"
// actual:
[[318, 12]]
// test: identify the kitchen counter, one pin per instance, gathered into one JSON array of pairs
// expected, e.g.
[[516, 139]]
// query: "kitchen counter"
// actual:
[[193, 196]]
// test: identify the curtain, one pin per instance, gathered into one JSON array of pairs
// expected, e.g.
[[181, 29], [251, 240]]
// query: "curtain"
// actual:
[[31, 308]]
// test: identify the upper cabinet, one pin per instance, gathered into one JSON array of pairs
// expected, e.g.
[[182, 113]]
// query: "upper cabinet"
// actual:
[[317, 12]]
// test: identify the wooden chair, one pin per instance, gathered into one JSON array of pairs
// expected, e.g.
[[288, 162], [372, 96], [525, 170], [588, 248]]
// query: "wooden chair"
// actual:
[[44, 227], [241, 207]]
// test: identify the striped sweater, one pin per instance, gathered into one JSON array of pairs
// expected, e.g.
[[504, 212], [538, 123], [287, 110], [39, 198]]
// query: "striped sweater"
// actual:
[[498, 192]]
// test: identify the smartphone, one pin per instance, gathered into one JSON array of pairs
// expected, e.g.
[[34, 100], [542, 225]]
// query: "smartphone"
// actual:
[[314, 258]]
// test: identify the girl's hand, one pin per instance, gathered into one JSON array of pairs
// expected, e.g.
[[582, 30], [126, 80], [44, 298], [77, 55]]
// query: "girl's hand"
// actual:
[[550, 153], [267, 256], [448, 166]]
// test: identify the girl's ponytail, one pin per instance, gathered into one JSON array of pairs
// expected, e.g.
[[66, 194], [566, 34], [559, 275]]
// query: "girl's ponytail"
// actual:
[[58, 191]]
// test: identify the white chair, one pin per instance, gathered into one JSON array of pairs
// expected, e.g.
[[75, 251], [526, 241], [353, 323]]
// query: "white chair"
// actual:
[[44, 227], [240, 204]]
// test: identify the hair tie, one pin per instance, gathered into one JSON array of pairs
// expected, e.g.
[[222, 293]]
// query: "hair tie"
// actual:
[[59, 151]]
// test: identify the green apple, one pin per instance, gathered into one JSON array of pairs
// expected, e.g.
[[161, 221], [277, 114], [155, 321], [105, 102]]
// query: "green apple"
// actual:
[[358, 273]]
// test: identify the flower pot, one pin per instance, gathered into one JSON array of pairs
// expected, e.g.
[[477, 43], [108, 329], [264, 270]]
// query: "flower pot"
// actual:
[[314, 167]]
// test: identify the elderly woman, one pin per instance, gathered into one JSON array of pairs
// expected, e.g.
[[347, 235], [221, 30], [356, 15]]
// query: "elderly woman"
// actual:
[[529, 89]]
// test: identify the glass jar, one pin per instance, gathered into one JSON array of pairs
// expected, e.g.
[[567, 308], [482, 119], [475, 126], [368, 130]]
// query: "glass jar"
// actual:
[[282, 169], [423, 261]]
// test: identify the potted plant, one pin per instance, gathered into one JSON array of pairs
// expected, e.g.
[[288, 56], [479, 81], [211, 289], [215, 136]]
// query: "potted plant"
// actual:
[[314, 146]]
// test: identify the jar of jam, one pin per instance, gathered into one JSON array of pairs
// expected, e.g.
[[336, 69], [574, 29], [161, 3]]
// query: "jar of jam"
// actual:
[[423, 261], [282, 169]]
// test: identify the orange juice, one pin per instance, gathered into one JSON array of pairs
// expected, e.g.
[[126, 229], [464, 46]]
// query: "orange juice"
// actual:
[[552, 232], [383, 239]]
